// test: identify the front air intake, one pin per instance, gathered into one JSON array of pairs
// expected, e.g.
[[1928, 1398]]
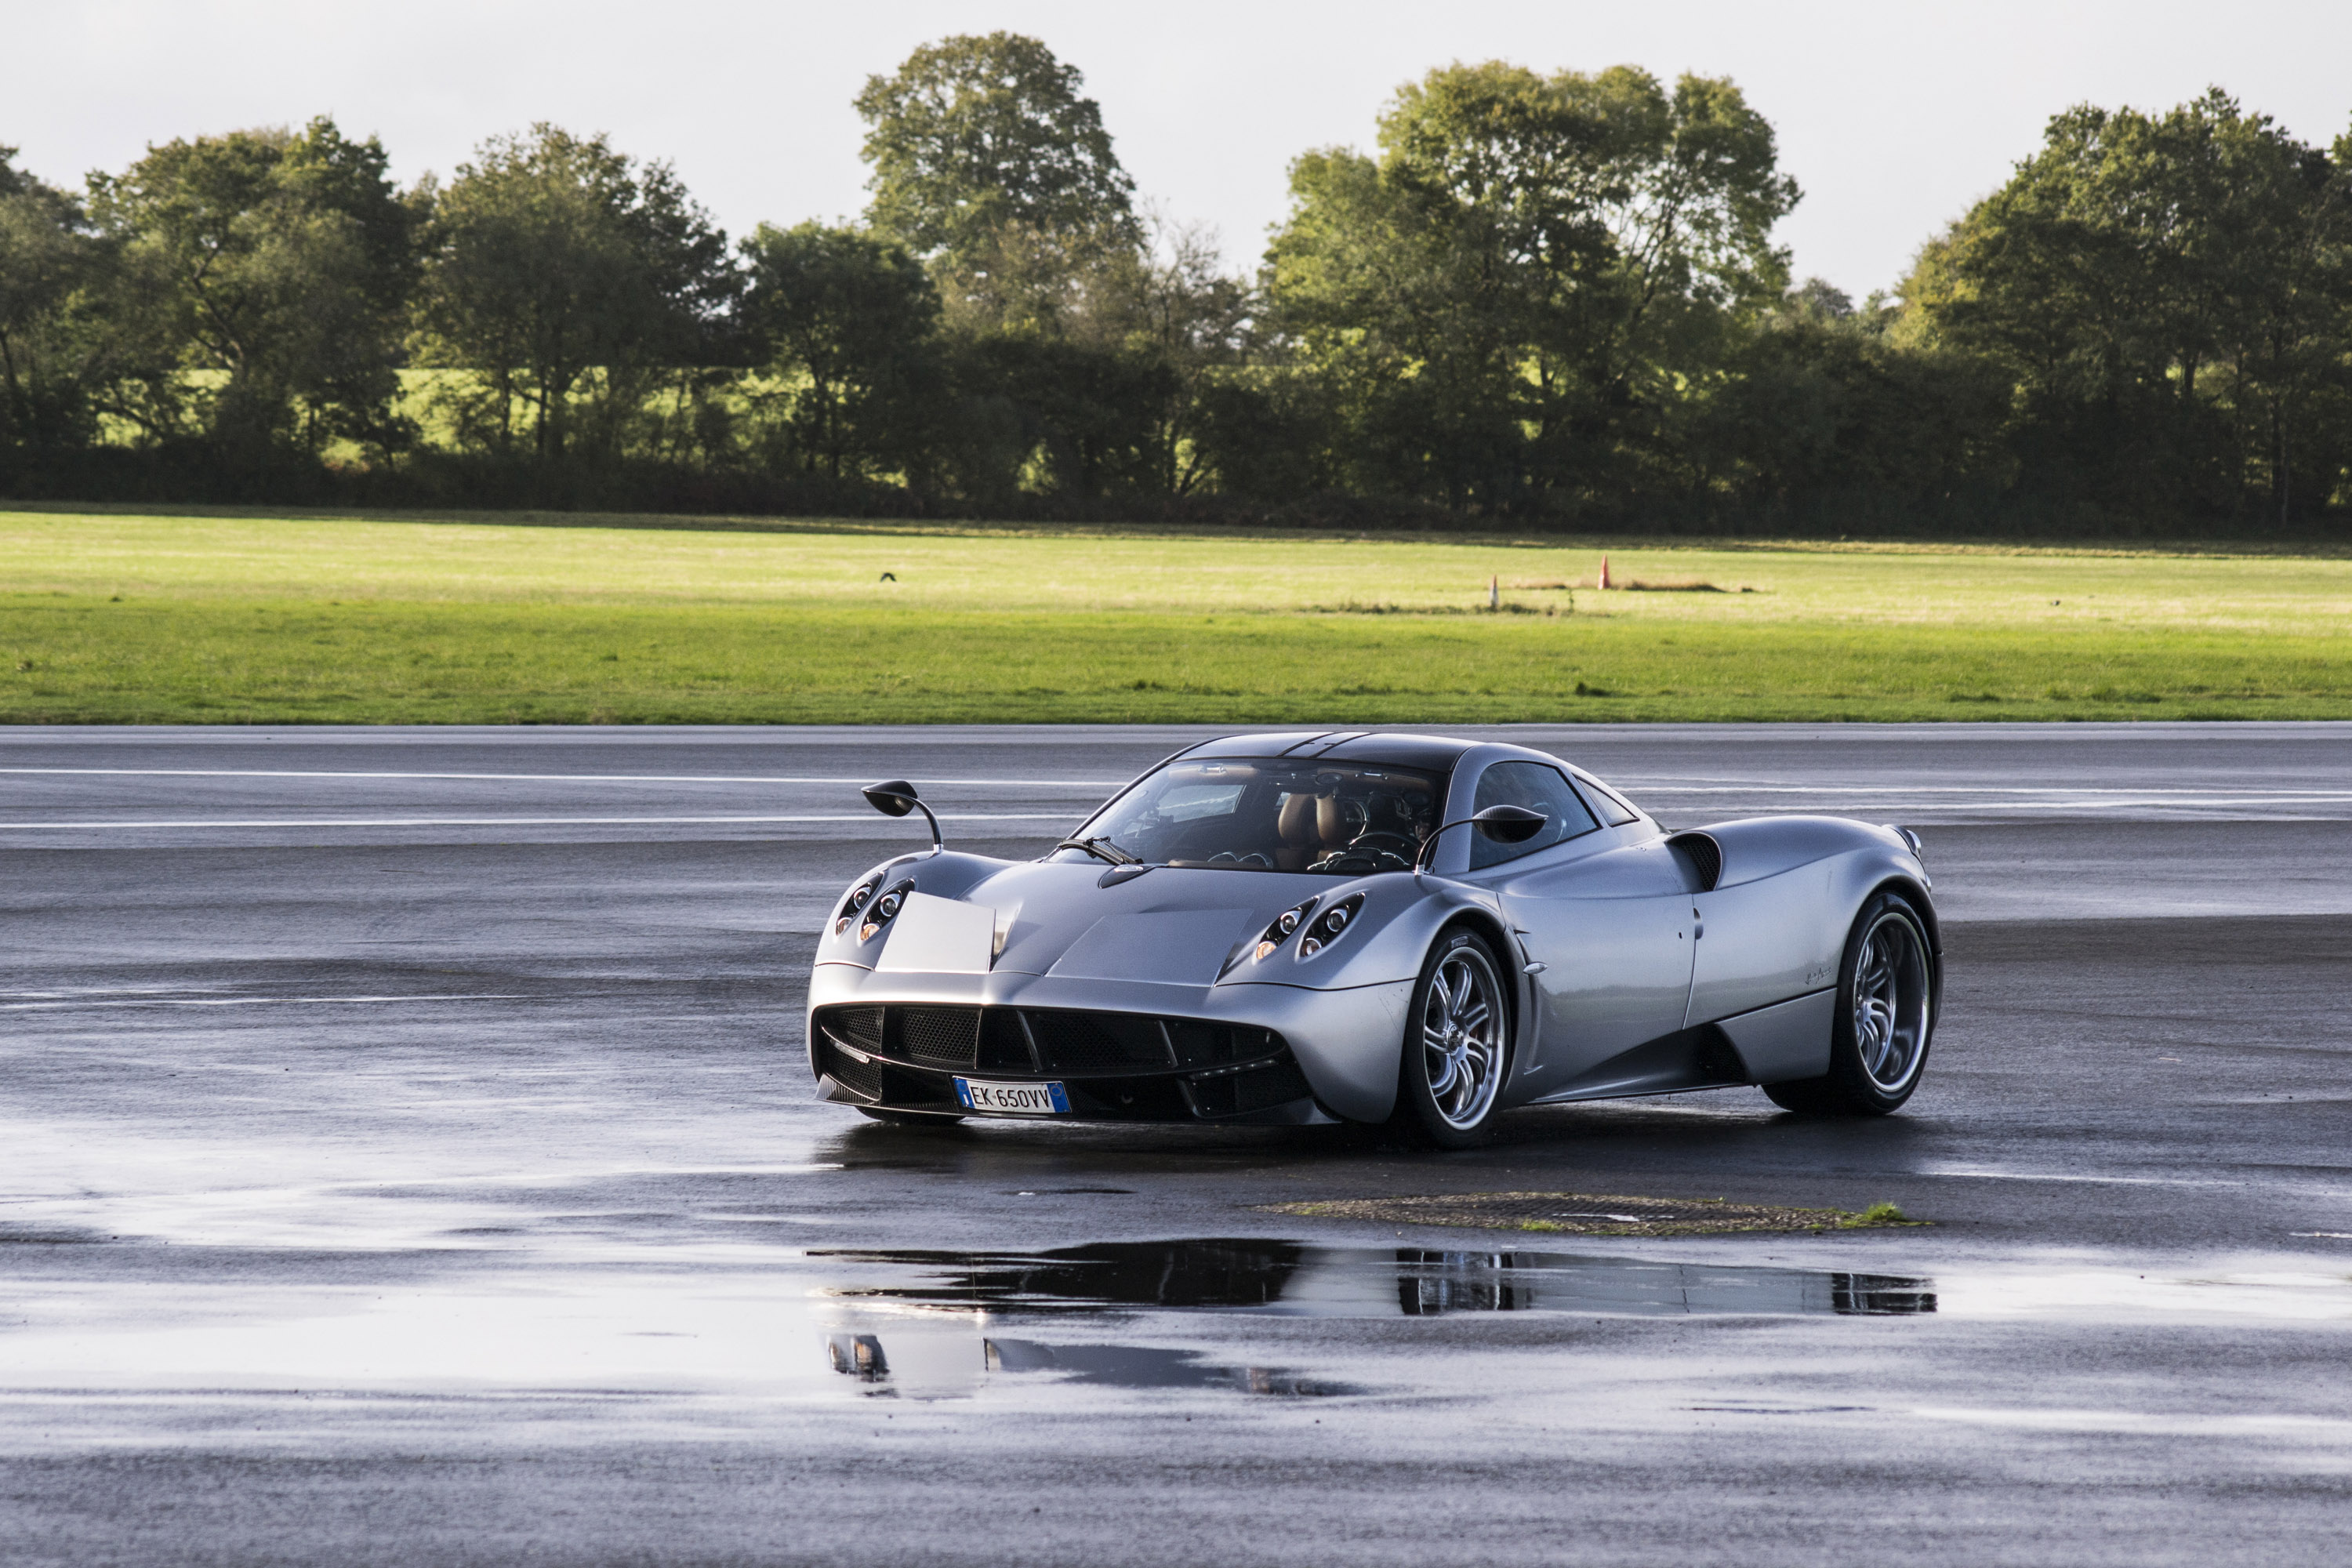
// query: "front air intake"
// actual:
[[1703, 854], [941, 1037]]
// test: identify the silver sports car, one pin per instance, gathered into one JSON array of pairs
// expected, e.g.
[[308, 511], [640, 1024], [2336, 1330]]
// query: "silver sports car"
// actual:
[[1308, 928]]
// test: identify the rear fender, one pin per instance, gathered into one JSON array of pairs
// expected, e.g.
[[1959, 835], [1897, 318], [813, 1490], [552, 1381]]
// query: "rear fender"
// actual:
[[1774, 933]]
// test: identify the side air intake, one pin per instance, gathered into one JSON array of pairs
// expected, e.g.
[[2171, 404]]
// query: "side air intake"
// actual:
[[1705, 854]]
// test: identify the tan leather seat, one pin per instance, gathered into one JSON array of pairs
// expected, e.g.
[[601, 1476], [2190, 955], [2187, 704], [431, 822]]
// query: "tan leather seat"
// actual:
[[1331, 823], [1296, 825]]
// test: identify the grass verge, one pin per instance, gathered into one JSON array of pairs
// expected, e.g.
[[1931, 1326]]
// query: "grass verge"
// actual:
[[107, 618]]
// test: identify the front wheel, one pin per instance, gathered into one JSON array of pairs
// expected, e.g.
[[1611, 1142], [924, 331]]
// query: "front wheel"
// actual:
[[1885, 1015], [1457, 1045]]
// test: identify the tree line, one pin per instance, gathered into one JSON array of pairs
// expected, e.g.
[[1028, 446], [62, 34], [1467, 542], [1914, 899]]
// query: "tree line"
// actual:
[[1549, 301]]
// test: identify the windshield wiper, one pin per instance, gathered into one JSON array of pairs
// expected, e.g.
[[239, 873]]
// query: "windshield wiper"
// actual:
[[1101, 849]]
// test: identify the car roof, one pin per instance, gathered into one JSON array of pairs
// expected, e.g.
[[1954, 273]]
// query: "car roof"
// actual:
[[1433, 752]]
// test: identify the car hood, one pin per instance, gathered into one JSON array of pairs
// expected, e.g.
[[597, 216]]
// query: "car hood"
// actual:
[[1170, 925]]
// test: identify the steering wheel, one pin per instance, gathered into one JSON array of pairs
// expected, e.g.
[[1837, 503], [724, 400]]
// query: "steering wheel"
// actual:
[[1362, 854], [1365, 841]]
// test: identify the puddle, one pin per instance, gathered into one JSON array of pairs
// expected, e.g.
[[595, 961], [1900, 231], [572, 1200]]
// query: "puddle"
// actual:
[[764, 1323], [1293, 1278], [935, 1333]]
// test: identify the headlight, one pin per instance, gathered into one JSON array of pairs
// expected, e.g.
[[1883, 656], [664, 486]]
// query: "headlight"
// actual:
[[858, 898], [1287, 922], [879, 913], [1327, 926]]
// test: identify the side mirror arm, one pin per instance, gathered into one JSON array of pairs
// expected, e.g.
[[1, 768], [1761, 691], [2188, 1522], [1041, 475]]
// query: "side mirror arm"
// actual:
[[936, 845], [1503, 824], [1429, 845]]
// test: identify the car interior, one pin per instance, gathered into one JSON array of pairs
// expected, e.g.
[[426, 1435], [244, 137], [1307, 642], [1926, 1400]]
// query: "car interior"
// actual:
[[1273, 816]]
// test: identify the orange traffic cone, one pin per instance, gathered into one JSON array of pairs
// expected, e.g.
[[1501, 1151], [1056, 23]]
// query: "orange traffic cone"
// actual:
[[1605, 572]]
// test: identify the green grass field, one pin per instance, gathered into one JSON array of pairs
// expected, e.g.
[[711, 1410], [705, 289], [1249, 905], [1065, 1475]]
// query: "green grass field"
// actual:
[[108, 616]]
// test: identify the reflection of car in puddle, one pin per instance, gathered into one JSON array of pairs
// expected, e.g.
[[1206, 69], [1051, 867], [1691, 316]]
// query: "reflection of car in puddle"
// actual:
[[943, 1364], [1287, 1279]]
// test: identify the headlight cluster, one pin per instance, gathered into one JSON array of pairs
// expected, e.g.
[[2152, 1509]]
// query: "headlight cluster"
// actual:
[[876, 911], [1279, 930], [1329, 925], [1321, 929]]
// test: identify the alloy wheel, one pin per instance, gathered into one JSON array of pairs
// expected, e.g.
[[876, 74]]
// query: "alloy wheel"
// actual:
[[1462, 1037], [1890, 1000]]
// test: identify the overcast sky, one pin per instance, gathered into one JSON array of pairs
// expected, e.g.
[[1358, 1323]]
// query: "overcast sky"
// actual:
[[1892, 117]]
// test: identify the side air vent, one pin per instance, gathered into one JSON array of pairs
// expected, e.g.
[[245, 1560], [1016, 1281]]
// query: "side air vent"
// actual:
[[1705, 854]]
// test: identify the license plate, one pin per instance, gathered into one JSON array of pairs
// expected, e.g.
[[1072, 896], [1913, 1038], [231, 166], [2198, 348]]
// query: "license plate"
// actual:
[[1012, 1099]]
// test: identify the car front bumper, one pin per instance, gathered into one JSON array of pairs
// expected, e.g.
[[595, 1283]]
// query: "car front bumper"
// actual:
[[1124, 1051]]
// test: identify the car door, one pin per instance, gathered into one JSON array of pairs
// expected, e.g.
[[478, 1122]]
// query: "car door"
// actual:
[[1605, 923]]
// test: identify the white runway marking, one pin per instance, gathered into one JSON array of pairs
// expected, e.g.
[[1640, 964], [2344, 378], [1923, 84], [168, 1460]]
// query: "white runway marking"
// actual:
[[506, 821], [253, 1001], [554, 778], [2036, 795], [1979, 1172]]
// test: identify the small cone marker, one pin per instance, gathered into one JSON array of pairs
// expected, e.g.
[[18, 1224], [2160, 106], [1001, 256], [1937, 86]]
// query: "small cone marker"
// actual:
[[1495, 592], [1605, 572]]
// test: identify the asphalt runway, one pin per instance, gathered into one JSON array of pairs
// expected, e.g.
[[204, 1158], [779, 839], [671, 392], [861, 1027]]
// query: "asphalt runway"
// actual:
[[406, 1156]]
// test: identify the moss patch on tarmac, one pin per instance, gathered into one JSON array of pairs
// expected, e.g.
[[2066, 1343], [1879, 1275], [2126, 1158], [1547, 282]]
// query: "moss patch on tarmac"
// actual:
[[1595, 1213]]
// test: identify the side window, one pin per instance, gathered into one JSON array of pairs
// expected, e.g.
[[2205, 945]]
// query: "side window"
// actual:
[[1613, 811], [1538, 788]]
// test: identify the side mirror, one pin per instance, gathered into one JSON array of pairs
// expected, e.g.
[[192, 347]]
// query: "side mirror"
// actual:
[[1509, 823], [892, 797], [896, 797]]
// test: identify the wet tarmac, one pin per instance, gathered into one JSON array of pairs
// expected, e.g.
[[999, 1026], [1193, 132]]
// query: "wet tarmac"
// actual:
[[406, 1156]]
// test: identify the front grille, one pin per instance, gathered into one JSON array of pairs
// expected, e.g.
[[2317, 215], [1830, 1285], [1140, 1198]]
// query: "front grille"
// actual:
[[1005, 1042], [1258, 1088], [862, 1079], [939, 1036], [1200, 1045], [858, 1026], [1099, 1042], [1121, 1065]]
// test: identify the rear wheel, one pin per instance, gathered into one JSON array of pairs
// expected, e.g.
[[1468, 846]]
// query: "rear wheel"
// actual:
[[1456, 1045], [1886, 1016]]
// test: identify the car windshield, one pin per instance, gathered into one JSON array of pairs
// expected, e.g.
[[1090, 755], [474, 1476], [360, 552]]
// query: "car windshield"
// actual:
[[1272, 813]]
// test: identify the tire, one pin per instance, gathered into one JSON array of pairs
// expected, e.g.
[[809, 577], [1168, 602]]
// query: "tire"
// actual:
[[1458, 1045], [910, 1117], [1889, 988]]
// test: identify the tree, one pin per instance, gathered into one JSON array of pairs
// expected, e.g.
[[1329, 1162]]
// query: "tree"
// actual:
[[280, 260], [2170, 295], [565, 278], [976, 135], [51, 353], [1186, 314], [848, 320], [1079, 339], [1824, 420], [1512, 296]]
